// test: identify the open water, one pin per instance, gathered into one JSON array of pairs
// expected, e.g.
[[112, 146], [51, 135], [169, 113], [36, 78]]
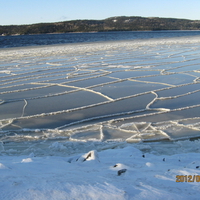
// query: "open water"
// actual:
[[65, 38]]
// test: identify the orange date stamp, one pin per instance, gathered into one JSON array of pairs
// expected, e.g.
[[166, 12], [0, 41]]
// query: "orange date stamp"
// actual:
[[187, 178]]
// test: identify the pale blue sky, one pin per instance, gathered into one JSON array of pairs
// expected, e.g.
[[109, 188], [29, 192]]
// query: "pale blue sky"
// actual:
[[35, 11]]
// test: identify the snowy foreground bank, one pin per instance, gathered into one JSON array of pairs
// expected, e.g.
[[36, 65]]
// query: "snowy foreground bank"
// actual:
[[122, 173]]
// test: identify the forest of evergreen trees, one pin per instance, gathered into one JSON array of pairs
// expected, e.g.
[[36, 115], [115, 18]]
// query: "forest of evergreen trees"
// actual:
[[122, 23]]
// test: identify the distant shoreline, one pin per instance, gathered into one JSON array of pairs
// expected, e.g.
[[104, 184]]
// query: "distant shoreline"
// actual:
[[95, 32], [122, 23]]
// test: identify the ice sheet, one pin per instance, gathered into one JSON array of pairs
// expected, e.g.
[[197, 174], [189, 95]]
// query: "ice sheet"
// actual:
[[114, 91]]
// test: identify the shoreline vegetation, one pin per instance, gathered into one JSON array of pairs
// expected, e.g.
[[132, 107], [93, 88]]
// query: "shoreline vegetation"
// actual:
[[122, 23]]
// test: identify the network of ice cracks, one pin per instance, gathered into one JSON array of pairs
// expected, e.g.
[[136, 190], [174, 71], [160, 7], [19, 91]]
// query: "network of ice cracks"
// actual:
[[112, 91]]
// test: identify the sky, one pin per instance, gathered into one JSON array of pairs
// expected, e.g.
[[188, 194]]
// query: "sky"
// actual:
[[37, 11]]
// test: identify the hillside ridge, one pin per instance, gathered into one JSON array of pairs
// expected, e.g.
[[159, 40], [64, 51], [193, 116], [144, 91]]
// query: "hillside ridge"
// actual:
[[122, 23]]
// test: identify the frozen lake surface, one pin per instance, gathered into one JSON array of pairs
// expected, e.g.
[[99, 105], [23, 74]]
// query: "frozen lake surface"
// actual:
[[109, 92]]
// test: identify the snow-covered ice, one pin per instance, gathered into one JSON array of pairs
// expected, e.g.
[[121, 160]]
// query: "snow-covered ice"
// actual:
[[110, 120], [145, 174]]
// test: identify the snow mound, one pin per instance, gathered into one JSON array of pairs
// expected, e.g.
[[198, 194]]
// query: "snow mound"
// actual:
[[2, 166], [27, 160], [90, 156]]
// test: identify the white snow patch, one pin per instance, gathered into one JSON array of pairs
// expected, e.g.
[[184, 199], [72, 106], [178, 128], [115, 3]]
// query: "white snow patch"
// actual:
[[90, 156], [57, 146], [94, 175], [27, 160], [2, 166]]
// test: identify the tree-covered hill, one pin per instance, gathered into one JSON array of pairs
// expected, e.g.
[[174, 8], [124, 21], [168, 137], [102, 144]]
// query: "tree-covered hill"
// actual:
[[122, 23]]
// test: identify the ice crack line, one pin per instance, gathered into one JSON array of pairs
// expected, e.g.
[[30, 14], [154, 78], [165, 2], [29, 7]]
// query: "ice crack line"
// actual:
[[1, 101], [24, 107], [151, 82], [147, 107], [88, 90], [152, 102]]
